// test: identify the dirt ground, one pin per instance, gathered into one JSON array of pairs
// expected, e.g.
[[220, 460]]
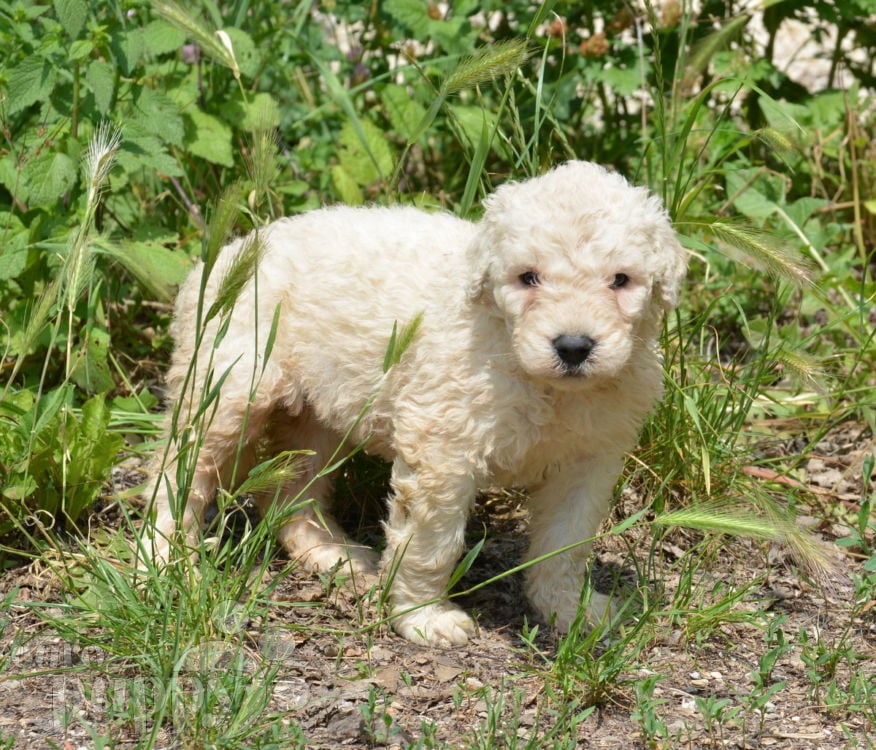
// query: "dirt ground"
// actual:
[[376, 690]]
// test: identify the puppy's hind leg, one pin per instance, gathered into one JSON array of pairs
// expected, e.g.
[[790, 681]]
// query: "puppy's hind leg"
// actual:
[[308, 533], [225, 448]]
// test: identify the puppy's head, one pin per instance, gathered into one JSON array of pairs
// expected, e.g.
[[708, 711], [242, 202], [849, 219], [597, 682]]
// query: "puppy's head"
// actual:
[[581, 265]]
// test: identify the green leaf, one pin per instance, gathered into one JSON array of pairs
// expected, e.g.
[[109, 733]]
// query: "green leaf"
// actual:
[[72, 14], [140, 403], [365, 155], [127, 46], [101, 80], [12, 263], [92, 449], [49, 406], [473, 122], [161, 37], [20, 490], [449, 34], [132, 157], [31, 80], [92, 371], [140, 148], [781, 115], [403, 112], [624, 81], [802, 209], [755, 198], [160, 115], [47, 177], [10, 174], [79, 50], [95, 418], [411, 13], [13, 246], [346, 187], [209, 138]]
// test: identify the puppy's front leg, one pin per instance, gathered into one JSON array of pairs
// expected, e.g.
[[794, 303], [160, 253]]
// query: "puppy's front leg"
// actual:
[[425, 533], [160, 534], [568, 508]]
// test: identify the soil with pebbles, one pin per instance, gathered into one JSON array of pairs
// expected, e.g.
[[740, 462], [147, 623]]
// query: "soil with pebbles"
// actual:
[[335, 686]]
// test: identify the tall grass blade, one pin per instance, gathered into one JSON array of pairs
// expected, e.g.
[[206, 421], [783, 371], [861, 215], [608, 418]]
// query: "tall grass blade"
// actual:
[[341, 95], [544, 10], [272, 335], [702, 54], [465, 564], [476, 169]]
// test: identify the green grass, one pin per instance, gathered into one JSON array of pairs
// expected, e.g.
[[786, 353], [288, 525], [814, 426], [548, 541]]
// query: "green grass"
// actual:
[[124, 160]]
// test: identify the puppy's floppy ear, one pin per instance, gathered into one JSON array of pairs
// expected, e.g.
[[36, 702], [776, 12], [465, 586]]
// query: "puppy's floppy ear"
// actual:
[[672, 267], [478, 265], [482, 248]]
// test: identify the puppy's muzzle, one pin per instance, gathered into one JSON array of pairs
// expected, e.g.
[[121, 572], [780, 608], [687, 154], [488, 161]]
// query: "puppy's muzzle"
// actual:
[[573, 351]]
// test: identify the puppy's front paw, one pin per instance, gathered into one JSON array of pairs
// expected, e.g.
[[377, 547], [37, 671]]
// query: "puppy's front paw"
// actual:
[[442, 624]]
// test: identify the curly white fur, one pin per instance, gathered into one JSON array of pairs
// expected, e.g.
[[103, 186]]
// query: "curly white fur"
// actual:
[[535, 364]]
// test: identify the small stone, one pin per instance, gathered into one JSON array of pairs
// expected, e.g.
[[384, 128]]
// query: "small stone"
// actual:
[[276, 644]]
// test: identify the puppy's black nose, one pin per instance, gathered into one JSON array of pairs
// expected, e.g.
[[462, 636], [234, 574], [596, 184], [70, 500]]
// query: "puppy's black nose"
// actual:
[[573, 350]]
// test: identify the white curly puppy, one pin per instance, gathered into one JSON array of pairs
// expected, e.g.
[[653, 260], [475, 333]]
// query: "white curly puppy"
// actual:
[[535, 365]]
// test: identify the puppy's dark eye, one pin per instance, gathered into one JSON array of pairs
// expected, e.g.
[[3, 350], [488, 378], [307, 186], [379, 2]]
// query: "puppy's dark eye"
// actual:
[[620, 280], [530, 278]]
